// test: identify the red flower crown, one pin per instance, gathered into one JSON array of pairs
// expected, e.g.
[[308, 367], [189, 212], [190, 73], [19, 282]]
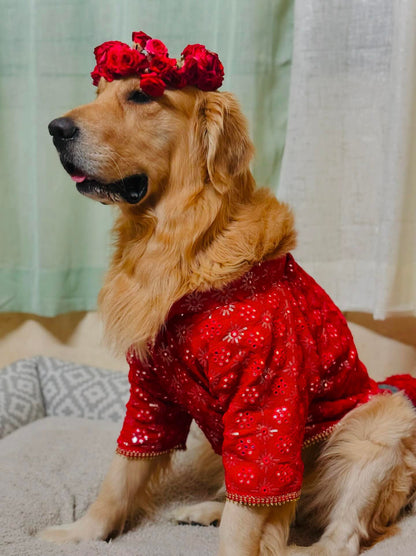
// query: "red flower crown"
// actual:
[[149, 60]]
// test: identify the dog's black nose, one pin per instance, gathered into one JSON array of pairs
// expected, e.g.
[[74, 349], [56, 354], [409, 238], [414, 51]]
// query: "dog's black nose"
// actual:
[[63, 129]]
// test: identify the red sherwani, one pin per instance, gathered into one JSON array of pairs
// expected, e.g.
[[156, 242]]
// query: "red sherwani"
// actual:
[[264, 366]]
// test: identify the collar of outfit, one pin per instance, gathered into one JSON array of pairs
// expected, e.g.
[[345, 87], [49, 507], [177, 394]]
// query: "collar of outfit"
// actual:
[[265, 366]]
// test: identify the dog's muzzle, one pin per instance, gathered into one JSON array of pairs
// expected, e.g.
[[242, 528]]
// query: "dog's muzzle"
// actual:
[[131, 189]]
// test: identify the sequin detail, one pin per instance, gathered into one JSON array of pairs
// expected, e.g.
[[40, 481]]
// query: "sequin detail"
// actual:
[[265, 366]]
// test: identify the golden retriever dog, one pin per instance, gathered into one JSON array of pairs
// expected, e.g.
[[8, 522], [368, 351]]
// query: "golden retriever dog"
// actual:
[[190, 218]]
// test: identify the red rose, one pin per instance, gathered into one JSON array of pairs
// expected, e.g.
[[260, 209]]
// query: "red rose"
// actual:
[[211, 79], [140, 38], [101, 50], [160, 64], [202, 68], [156, 48], [175, 77], [123, 60], [99, 71], [152, 84], [96, 76], [210, 72], [194, 50], [190, 70], [166, 68]]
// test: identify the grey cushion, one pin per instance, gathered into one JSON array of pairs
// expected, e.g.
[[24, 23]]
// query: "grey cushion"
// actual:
[[20, 396], [82, 391], [44, 386]]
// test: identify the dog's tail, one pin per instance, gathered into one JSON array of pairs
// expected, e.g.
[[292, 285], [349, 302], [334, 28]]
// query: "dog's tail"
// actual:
[[404, 383]]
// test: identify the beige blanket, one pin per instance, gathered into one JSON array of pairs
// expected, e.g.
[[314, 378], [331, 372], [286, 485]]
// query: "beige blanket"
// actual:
[[50, 471]]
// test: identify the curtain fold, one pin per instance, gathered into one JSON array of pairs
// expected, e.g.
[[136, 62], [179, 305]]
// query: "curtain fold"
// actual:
[[54, 244], [349, 166]]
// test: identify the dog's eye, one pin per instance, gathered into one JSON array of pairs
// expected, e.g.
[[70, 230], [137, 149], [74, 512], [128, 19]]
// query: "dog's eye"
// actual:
[[139, 97]]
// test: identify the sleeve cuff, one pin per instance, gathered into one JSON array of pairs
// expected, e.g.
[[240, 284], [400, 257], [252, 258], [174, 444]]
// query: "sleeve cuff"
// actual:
[[263, 501], [135, 454]]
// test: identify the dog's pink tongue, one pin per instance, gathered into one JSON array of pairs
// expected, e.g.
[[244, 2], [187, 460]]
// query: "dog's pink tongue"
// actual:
[[79, 179]]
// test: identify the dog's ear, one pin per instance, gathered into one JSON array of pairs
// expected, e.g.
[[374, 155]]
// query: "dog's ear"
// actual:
[[222, 135]]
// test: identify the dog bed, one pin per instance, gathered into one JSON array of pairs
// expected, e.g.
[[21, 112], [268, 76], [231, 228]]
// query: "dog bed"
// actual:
[[59, 423]]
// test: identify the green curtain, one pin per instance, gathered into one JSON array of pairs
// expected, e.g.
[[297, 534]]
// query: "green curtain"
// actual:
[[55, 244]]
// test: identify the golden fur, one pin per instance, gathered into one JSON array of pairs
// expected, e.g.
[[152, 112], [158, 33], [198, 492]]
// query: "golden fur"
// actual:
[[202, 224]]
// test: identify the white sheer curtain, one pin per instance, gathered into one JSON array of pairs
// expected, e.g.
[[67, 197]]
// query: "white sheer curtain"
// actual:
[[349, 167]]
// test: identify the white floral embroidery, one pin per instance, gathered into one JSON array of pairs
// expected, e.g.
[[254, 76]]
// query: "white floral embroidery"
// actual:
[[266, 432], [193, 302], [165, 353], [203, 356], [267, 320], [182, 333], [235, 335], [254, 297], [224, 296], [266, 375], [248, 282], [227, 310]]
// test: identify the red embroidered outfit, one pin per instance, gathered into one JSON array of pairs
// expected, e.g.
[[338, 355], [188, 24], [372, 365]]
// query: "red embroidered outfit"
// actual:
[[264, 366]]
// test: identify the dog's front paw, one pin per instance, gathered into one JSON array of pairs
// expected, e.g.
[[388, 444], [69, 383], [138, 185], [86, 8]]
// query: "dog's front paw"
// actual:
[[205, 513], [82, 530]]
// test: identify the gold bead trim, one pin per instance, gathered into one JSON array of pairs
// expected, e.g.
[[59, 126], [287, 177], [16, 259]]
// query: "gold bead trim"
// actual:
[[320, 436], [146, 455], [272, 501]]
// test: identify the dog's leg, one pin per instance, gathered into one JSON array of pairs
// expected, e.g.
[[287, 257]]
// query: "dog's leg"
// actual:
[[367, 474], [209, 466], [276, 530], [122, 494], [241, 529]]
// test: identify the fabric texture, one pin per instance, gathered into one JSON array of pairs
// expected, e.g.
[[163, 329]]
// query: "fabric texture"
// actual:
[[264, 366], [349, 169], [55, 245]]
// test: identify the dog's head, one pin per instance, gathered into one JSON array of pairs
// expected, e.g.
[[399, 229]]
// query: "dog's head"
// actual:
[[126, 146]]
